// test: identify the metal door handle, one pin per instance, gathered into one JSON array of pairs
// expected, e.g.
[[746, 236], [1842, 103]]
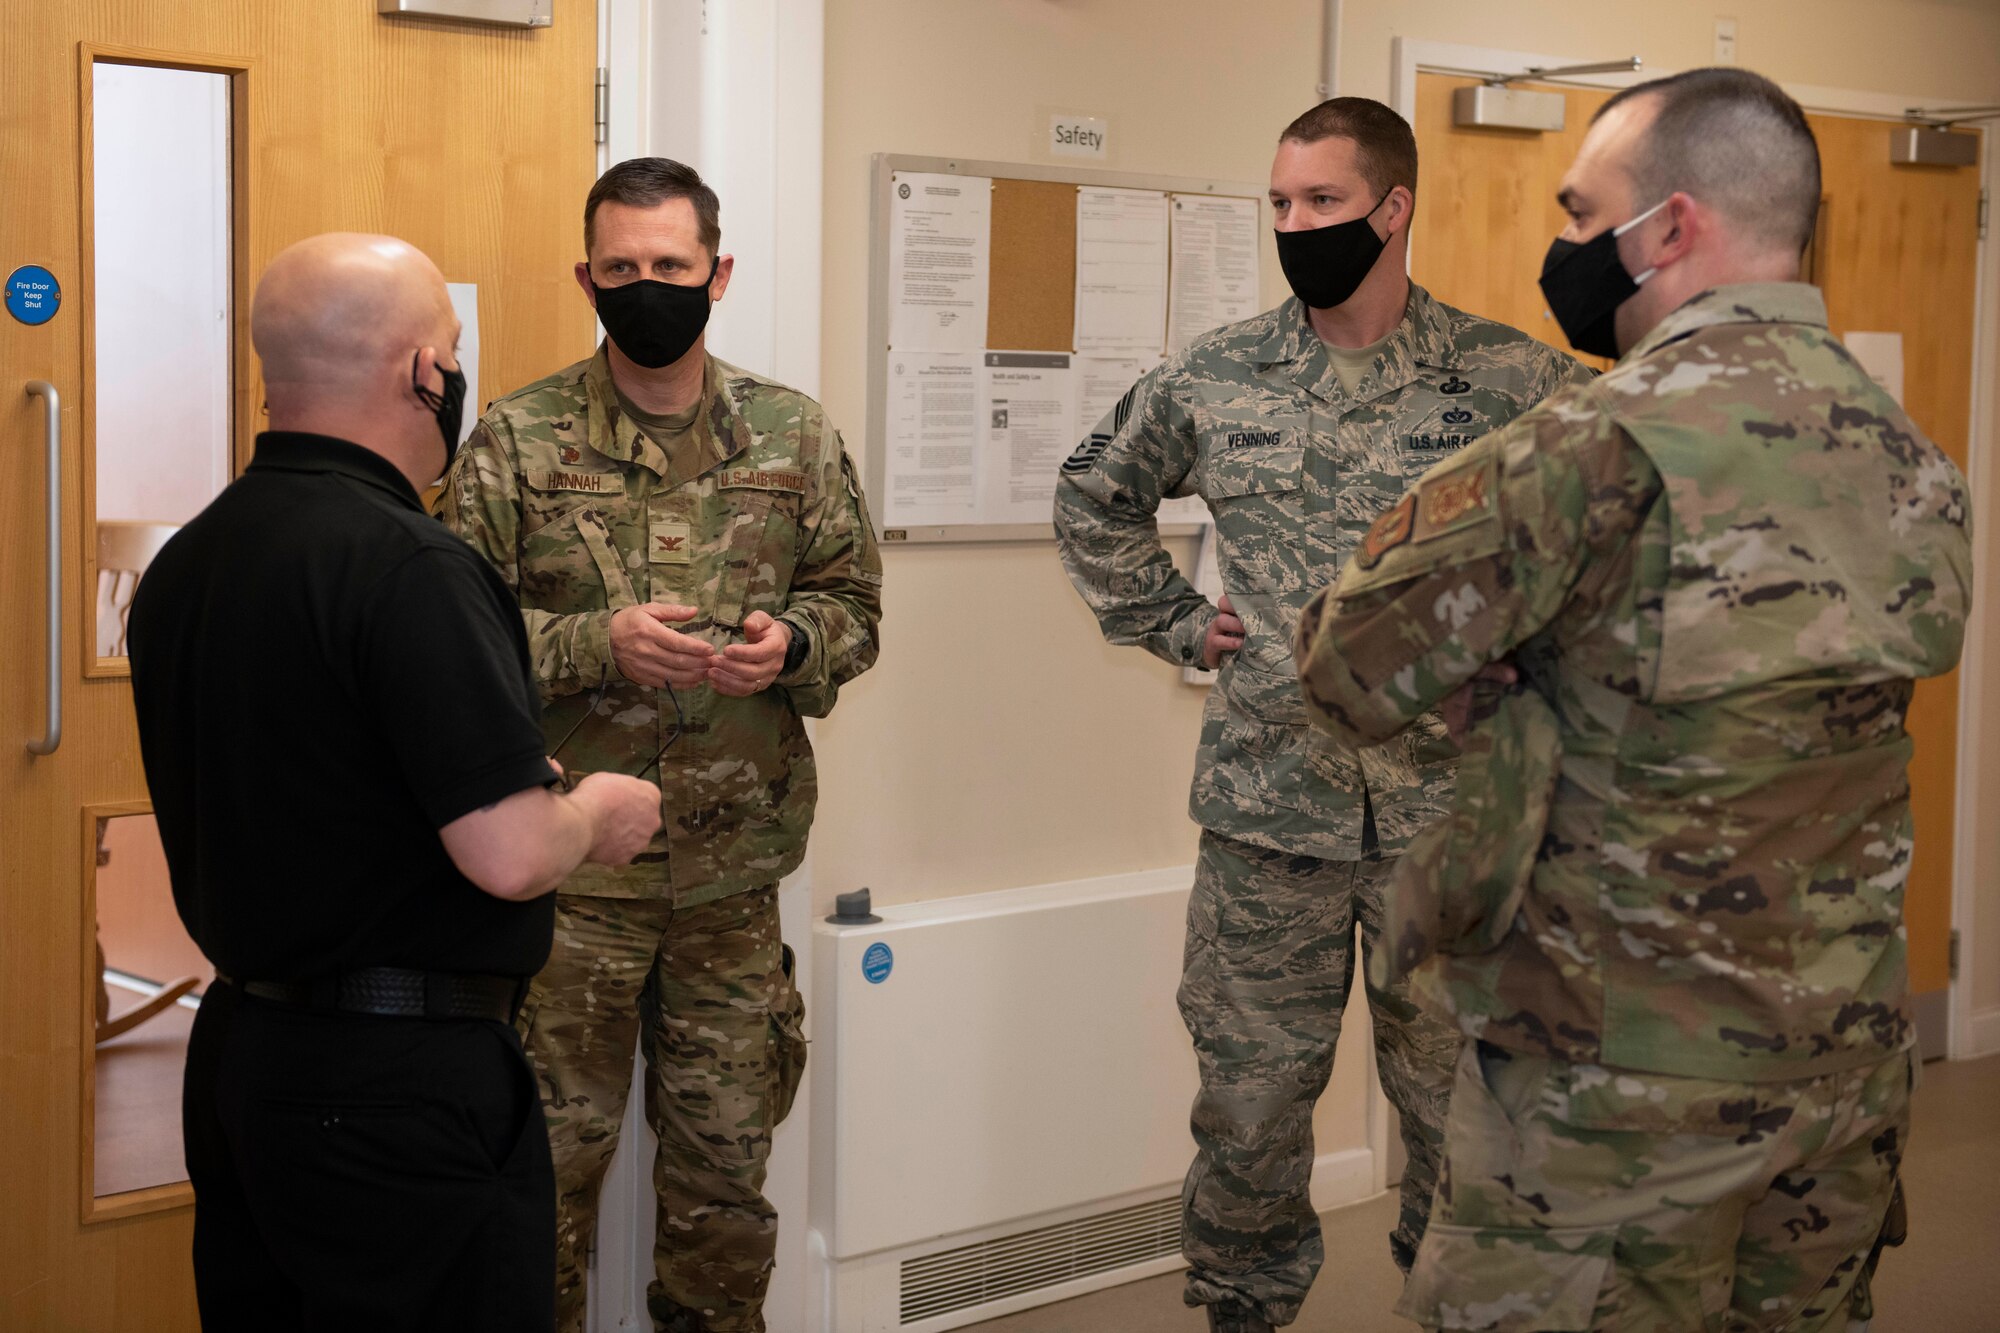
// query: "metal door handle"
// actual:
[[52, 405]]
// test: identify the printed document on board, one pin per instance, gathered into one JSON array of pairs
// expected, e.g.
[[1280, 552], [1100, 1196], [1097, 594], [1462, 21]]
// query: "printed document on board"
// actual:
[[1121, 270], [1214, 248], [1102, 386], [1028, 408], [930, 471], [940, 258]]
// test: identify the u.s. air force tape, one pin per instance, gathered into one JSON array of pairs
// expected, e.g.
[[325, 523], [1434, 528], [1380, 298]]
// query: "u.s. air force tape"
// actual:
[[1086, 455]]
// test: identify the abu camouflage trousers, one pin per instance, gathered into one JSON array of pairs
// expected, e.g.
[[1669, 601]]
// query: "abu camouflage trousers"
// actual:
[[1576, 1197], [707, 992], [1270, 960]]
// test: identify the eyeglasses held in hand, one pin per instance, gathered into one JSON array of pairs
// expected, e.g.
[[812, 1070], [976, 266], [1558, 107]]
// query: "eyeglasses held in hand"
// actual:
[[597, 699]]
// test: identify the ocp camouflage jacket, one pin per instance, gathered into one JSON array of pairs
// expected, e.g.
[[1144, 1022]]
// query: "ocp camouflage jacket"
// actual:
[[583, 514]]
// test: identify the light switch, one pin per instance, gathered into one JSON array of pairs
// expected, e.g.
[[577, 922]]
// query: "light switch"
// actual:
[[1725, 41]]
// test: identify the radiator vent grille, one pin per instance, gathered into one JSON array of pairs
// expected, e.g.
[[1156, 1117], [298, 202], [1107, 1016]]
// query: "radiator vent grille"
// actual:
[[975, 1274]]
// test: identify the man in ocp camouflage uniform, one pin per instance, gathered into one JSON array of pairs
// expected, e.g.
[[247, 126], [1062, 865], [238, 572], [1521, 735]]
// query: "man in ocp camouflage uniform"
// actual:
[[1685, 605], [697, 570], [1296, 427]]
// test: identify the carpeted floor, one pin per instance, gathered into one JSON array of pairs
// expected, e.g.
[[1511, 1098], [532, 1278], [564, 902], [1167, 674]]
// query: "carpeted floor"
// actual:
[[1946, 1280]]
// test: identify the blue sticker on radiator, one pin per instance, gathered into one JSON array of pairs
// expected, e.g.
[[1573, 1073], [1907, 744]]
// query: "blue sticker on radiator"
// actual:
[[876, 962]]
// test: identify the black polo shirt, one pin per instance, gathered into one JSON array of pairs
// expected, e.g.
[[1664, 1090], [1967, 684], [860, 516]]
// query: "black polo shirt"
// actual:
[[324, 678]]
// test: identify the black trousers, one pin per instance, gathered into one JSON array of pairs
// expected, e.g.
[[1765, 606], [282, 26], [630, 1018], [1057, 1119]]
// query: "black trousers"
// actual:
[[354, 1173]]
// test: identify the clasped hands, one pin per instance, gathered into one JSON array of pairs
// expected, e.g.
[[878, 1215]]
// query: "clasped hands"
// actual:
[[648, 652]]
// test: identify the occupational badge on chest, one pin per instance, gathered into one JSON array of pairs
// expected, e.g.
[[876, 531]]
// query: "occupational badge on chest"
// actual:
[[1443, 434], [670, 543]]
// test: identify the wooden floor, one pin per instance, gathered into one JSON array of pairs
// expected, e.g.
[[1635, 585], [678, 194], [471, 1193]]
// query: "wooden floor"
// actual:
[[1945, 1280], [139, 1101]]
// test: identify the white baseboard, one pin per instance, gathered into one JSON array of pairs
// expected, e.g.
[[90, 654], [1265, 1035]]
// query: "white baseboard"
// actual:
[[1982, 1034], [1341, 1178]]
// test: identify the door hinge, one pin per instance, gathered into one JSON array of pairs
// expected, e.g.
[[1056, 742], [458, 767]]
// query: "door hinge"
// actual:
[[1954, 955], [604, 106], [1983, 201]]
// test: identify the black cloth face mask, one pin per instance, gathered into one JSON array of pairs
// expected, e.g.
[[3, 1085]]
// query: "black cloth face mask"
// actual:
[[1585, 282], [1326, 264], [654, 323], [448, 407]]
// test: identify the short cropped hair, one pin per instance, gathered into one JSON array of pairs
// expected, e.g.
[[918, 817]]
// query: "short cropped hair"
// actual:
[[643, 182], [1384, 145], [1735, 141]]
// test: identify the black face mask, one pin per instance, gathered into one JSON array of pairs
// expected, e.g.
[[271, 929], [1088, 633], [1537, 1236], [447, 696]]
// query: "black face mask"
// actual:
[[448, 407], [654, 323], [1326, 265], [1585, 282]]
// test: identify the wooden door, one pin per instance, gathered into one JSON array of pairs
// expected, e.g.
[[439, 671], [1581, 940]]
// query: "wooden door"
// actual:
[[1896, 252], [474, 143]]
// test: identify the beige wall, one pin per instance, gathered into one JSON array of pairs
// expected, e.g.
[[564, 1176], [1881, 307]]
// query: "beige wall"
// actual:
[[1000, 742], [1939, 48]]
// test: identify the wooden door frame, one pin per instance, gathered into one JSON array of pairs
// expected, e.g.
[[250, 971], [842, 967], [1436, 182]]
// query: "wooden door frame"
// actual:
[[1970, 1035]]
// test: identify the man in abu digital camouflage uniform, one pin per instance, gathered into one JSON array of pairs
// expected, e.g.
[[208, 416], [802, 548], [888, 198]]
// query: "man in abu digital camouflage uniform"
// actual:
[[1667, 907], [697, 570], [1296, 427]]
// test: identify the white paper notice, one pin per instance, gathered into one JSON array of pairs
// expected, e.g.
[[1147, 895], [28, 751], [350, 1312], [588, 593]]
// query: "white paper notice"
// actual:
[[1101, 384], [1881, 355], [465, 304], [1121, 270], [1214, 245], [933, 438], [1028, 407], [940, 246], [1101, 381]]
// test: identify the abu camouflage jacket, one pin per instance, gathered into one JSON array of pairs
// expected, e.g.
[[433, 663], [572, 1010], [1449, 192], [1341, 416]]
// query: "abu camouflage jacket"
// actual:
[[1253, 418], [1720, 568], [584, 514]]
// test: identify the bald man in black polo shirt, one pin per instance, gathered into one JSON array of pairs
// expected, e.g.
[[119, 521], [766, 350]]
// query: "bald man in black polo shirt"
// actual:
[[341, 737]]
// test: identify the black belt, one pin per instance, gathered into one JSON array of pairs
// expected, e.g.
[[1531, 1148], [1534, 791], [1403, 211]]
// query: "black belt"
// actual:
[[396, 992]]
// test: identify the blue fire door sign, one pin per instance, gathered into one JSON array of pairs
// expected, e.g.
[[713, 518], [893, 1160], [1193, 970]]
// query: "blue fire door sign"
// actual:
[[876, 961], [33, 294]]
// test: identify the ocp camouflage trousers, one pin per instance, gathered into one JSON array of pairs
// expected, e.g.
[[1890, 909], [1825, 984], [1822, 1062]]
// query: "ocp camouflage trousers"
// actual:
[[1576, 1197], [708, 992], [1269, 962]]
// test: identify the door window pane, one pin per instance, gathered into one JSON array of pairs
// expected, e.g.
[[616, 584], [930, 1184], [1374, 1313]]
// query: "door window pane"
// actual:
[[163, 316], [150, 976]]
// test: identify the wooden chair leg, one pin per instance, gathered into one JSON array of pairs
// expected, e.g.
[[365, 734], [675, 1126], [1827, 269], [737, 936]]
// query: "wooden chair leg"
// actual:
[[138, 1014]]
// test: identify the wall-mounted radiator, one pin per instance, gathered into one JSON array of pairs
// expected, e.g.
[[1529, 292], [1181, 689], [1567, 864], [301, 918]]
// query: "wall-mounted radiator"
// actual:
[[1001, 1092]]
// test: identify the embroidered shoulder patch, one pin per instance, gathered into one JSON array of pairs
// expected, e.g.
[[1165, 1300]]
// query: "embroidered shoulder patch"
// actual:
[[1456, 497], [1389, 531], [762, 479], [590, 483]]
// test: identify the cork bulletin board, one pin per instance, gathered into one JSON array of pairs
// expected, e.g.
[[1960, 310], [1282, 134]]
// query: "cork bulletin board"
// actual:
[[1031, 298]]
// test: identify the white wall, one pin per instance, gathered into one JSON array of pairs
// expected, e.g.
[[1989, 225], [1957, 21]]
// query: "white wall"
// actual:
[[160, 138]]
